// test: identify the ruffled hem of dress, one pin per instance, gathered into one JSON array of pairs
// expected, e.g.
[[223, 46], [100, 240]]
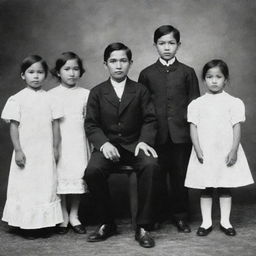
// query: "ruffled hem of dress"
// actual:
[[71, 186], [32, 217]]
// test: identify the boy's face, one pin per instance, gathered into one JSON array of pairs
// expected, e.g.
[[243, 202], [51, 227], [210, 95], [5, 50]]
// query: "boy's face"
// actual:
[[167, 46], [118, 65]]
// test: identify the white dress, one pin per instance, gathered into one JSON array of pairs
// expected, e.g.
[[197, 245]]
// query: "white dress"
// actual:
[[214, 115], [32, 201], [75, 152]]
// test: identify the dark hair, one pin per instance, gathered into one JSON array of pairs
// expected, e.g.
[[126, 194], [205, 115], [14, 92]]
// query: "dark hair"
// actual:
[[32, 59], [116, 47], [164, 30], [216, 63], [61, 61]]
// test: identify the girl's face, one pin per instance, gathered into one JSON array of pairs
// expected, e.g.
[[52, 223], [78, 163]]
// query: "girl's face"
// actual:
[[214, 80], [70, 73], [34, 76], [167, 46]]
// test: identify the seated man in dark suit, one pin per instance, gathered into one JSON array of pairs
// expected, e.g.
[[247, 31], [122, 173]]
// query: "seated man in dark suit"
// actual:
[[121, 125]]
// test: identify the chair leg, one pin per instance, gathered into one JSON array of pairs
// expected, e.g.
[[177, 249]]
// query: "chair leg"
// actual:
[[133, 191]]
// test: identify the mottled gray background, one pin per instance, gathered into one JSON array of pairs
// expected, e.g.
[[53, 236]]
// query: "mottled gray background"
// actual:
[[209, 29]]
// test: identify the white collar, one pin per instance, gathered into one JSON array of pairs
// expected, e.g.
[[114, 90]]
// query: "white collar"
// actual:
[[169, 62], [118, 85]]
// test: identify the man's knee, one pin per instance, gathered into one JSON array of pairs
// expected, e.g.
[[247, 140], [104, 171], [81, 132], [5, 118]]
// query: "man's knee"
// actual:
[[149, 163], [92, 173]]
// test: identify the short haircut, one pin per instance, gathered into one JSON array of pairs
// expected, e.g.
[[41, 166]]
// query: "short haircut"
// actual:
[[164, 30], [117, 47], [216, 63], [32, 59], [61, 61]]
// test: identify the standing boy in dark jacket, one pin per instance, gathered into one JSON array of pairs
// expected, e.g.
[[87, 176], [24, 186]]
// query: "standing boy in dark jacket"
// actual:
[[173, 85]]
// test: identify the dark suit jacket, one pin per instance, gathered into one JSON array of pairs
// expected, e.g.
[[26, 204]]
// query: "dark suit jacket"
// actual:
[[122, 123], [172, 89]]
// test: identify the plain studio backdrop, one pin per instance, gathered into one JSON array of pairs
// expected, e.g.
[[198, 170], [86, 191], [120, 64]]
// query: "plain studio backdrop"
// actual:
[[209, 29]]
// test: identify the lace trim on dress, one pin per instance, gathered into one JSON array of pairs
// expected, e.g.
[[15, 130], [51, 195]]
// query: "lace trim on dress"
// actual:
[[32, 217]]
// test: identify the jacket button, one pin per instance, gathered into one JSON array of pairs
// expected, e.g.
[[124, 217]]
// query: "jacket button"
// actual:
[[119, 134]]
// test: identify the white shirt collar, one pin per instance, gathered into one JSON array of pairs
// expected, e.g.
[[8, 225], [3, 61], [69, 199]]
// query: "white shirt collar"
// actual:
[[169, 63], [118, 85]]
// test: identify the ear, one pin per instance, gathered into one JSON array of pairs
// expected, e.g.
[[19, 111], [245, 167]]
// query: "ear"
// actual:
[[105, 65], [131, 62], [179, 44], [22, 76]]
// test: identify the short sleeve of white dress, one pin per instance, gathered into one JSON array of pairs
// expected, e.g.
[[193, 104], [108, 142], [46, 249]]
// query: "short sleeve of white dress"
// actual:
[[11, 110], [56, 107], [193, 113], [237, 111]]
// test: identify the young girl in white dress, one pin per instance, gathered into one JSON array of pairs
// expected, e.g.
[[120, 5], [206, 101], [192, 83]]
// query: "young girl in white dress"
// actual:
[[74, 149], [217, 159], [32, 202]]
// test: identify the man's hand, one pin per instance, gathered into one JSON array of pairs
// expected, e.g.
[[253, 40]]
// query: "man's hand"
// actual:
[[110, 152], [20, 158], [146, 149]]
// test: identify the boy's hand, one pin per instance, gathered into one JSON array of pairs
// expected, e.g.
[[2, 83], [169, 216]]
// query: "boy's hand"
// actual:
[[110, 152], [146, 149], [56, 154], [20, 158], [231, 158], [200, 155]]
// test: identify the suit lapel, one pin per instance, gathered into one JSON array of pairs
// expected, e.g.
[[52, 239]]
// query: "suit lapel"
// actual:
[[128, 95], [110, 94]]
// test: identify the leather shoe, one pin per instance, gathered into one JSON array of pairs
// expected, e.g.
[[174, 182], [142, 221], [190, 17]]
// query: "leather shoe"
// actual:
[[79, 229], [203, 231], [144, 239], [61, 230], [228, 231], [182, 226], [102, 233]]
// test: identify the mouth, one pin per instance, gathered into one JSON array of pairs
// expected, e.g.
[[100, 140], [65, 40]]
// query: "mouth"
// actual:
[[118, 72]]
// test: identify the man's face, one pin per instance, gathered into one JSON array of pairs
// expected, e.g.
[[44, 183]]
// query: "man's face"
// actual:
[[118, 65]]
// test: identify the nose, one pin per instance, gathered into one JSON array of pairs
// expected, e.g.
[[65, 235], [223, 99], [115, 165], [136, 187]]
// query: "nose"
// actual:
[[166, 46], [118, 65], [214, 80], [71, 72]]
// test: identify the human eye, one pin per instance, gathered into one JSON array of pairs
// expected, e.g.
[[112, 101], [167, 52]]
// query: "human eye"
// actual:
[[208, 76], [160, 43], [77, 68], [112, 60], [124, 60]]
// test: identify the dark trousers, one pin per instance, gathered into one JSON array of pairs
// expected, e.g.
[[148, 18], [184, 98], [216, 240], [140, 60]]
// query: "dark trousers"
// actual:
[[147, 169], [173, 160]]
